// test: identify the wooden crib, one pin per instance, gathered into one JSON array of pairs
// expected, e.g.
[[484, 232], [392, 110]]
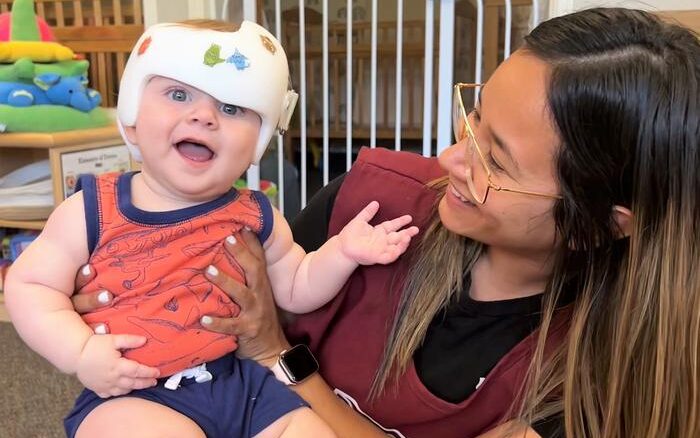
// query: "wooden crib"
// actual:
[[104, 31], [412, 72]]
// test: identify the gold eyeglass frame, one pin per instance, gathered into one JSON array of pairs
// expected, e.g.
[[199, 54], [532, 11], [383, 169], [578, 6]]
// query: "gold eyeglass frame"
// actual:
[[457, 99]]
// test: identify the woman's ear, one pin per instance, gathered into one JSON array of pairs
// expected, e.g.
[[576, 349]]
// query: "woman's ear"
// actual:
[[624, 218]]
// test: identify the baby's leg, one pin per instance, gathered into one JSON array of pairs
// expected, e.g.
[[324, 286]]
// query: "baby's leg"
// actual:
[[302, 422], [135, 418]]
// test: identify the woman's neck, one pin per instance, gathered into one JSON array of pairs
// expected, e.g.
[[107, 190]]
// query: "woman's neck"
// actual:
[[503, 275]]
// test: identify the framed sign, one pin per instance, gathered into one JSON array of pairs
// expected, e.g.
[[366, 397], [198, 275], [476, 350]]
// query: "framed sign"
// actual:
[[77, 160]]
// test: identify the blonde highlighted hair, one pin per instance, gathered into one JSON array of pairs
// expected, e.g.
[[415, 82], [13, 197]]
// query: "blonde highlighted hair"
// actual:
[[624, 95]]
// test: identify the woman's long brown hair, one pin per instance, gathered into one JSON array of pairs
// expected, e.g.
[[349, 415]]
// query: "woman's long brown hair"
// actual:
[[624, 96]]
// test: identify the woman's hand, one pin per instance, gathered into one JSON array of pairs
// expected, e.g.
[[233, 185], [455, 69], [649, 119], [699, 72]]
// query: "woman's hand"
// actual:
[[88, 302], [257, 326]]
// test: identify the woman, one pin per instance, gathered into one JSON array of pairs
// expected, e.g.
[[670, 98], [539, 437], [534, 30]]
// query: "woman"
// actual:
[[555, 288]]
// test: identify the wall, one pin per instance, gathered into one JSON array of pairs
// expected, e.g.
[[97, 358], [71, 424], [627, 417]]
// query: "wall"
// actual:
[[559, 7], [160, 11]]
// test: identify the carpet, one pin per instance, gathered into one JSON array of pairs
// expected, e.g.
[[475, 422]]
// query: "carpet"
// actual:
[[34, 396]]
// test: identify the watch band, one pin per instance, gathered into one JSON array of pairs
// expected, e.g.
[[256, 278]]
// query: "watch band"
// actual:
[[279, 373]]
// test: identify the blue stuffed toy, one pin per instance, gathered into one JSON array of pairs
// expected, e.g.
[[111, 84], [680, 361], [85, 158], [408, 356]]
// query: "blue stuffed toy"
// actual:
[[51, 89]]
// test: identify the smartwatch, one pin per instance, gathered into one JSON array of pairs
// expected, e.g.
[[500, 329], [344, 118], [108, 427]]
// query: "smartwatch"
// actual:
[[295, 365]]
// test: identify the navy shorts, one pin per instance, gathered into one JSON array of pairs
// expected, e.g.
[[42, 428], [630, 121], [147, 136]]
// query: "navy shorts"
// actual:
[[241, 400]]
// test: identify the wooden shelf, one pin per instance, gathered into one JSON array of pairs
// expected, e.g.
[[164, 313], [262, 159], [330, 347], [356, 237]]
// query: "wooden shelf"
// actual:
[[19, 149], [40, 140], [24, 225]]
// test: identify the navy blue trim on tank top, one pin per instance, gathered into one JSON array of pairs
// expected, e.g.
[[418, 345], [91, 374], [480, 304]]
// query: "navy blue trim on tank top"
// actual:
[[135, 214], [88, 185], [266, 212]]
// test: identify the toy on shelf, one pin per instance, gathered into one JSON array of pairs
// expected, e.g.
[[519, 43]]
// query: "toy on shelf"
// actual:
[[51, 89], [12, 243], [267, 187], [43, 84]]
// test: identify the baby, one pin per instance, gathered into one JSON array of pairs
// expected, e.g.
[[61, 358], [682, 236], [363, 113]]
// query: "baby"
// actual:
[[198, 104]]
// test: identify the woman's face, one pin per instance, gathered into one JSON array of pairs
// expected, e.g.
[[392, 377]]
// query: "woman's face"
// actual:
[[511, 125]]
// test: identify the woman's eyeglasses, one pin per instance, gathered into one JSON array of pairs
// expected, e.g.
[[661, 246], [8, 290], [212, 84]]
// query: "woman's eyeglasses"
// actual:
[[479, 186]]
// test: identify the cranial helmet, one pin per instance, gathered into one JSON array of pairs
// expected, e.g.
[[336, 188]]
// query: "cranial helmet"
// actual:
[[246, 68]]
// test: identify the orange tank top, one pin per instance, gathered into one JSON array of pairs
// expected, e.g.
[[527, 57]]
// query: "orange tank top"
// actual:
[[154, 263]]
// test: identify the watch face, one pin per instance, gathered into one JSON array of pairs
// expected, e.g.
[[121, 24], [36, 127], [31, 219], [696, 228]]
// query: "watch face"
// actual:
[[299, 363]]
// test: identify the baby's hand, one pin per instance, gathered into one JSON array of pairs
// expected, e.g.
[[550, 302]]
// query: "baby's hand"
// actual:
[[384, 243], [102, 368]]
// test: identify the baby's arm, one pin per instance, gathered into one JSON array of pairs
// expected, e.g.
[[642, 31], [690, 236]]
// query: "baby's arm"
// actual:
[[39, 285], [304, 282], [37, 295]]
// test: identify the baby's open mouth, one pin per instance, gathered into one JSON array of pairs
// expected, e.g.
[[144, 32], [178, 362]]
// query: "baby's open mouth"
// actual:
[[194, 151]]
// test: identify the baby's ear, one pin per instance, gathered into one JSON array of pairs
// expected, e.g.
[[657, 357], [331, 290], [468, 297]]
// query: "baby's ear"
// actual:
[[130, 133], [624, 218]]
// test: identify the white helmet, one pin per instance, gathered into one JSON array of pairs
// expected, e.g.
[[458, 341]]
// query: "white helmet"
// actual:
[[247, 68]]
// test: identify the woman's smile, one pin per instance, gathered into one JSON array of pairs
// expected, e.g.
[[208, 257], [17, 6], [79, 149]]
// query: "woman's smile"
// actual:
[[455, 197]]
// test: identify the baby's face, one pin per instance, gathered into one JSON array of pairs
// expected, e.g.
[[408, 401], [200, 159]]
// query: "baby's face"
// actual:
[[193, 146]]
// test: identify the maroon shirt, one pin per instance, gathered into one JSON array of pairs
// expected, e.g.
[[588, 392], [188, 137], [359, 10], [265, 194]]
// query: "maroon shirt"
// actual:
[[348, 335]]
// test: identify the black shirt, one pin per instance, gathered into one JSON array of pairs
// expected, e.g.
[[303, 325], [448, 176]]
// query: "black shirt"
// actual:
[[464, 341]]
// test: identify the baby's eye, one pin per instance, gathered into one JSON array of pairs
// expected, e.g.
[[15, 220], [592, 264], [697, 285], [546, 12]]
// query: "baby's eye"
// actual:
[[178, 95], [230, 110]]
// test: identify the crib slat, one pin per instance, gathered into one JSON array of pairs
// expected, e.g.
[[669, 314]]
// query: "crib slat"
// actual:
[[324, 37], [373, 80], [348, 87], [280, 139], [508, 29], [399, 73], [302, 95], [428, 79], [60, 17], [479, 43], [138, 14], [78, 13], [40, 9], [117, 11], [444, 115]]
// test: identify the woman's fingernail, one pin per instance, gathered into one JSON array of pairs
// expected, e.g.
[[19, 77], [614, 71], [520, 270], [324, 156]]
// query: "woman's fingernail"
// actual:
[[100, 329], [206, 320], [231, 240], [211, 270], [103, 297], [247, 228], [86, 270]]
